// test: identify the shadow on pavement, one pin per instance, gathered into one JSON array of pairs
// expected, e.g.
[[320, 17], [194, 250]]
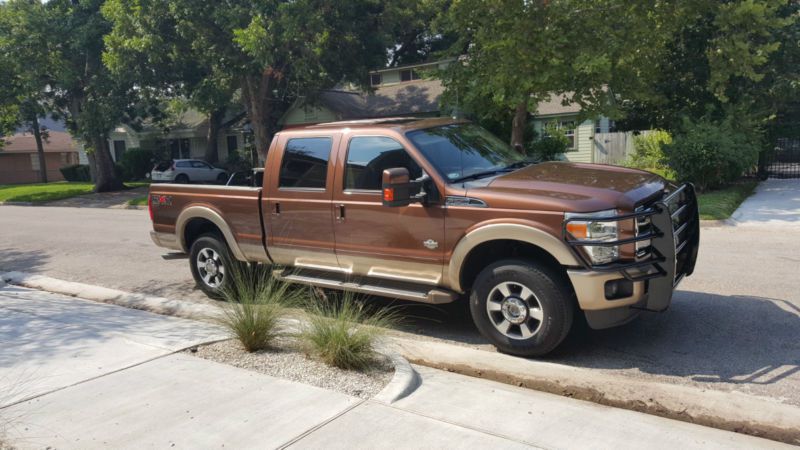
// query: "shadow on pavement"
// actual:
[[27, 261]]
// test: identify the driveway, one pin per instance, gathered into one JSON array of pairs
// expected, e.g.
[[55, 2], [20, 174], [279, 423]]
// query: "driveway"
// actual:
[[734, 325], [88, 376], [776, 202]]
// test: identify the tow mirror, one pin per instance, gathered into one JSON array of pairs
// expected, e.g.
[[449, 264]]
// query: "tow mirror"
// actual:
[[398, 189]]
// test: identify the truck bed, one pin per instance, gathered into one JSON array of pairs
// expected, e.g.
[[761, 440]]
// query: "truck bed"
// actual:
[[180, 209]]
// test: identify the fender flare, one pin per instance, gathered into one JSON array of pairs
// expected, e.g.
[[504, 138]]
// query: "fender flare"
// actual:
[[204, 212], [505, 231]]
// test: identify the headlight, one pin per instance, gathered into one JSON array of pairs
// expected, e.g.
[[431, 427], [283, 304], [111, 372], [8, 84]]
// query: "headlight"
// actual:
[[596, 231]]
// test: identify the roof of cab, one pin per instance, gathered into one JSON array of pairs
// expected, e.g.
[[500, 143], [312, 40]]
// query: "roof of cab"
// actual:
[[397, 123]]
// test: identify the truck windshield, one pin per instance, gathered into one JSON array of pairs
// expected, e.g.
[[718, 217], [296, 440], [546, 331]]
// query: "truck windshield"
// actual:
[[465, 151]]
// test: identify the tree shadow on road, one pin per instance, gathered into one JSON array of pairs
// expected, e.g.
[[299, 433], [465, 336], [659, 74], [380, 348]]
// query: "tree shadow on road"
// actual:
[[27, 261], [708, 338]]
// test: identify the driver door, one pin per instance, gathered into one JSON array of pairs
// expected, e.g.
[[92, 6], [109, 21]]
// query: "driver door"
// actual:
[[403, 243]]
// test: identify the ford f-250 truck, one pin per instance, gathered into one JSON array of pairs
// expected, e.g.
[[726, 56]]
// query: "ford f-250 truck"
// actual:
[[436, 210]]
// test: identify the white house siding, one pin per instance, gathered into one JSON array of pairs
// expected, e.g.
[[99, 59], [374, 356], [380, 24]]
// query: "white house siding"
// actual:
[[584, 139]]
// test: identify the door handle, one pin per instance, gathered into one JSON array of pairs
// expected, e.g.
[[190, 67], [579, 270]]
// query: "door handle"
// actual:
[[276, 209], [340, 213]]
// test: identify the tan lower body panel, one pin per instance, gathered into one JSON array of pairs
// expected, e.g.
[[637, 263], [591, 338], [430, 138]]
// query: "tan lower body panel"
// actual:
[[389, 269], [590, 290], [166, 240]]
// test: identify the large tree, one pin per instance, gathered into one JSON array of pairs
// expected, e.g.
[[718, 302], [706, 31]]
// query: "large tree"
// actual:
[[271, 51], [26, 51], [513, 54]]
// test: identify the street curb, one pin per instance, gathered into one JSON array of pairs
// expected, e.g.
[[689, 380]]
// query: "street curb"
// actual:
[[16, 203], [715, 223], [404, 381], [158, 305], [731, 411]]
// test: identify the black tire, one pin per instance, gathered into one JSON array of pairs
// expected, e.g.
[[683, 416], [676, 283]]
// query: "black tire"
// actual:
[[214, 246], [552, 300], [182, 179], [222, 178]]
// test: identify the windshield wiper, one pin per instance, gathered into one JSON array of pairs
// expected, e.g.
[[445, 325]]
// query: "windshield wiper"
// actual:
[[477, 175], [521, 164]]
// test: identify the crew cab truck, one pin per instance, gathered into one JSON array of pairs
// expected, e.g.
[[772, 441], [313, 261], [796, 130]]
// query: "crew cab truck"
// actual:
[[440, 210]]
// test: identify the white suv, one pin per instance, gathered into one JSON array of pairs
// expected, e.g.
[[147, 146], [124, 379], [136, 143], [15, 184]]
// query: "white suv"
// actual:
[[187, 171]]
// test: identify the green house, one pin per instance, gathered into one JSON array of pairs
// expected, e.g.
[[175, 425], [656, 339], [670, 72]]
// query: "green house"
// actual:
[[580, 131]]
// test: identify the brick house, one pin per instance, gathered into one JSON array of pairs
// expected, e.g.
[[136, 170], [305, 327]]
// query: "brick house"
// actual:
[[19, 161]]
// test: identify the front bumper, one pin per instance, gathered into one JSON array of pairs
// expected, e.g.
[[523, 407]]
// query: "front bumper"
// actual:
[[674, 237]]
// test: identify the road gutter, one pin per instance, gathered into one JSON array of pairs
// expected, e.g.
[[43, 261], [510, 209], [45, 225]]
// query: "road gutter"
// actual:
[[731, 411]]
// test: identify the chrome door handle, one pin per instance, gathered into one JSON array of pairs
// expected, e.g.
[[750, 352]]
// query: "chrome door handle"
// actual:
[[340, 213], [276, 209]]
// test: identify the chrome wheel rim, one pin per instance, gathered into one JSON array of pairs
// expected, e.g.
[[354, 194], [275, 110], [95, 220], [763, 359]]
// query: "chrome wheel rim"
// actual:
[[514, 310], [210, 267]]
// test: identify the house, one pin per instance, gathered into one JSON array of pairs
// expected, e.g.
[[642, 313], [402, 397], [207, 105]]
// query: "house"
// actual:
[[19, 160], [580, 131], [396, 91], [184, 138]]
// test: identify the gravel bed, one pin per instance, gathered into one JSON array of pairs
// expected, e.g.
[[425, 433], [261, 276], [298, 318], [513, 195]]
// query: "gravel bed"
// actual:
[[285, 360]]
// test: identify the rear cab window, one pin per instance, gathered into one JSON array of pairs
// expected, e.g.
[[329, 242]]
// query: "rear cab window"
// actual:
[[305, 163]]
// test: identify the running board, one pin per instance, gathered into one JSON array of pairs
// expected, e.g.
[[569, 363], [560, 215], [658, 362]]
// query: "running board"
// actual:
[[433, 296]]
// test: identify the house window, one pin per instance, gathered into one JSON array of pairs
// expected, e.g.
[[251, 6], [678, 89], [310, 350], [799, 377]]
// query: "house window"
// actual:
[[409, 75], [180, 149], [375, 79], [598, 126], [35, 162], [232, 144], [568, 128], [119, 149]]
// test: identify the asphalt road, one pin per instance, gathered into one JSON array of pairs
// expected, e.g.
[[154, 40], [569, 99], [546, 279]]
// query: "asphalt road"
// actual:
[[734, 325]]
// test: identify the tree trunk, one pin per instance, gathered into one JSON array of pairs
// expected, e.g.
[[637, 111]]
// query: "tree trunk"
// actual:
[[518, 126], [107, 179], [258, 102], [92, 165], [212, 144], [37, 135]]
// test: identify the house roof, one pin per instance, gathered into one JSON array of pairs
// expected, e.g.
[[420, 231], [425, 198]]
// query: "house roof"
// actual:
[[56, 142], [554, 106], [414, 97]]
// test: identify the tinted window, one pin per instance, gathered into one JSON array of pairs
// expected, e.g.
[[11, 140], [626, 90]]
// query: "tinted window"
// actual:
[[305, 163], [200, 165], [368, 156], [182, 164]]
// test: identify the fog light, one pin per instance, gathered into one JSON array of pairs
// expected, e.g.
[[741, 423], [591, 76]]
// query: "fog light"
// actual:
[[615, 289]]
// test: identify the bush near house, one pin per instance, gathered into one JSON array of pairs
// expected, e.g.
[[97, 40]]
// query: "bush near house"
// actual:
[[648, 150], [552, 144], [713, 154], [136, 163], [76, 172]]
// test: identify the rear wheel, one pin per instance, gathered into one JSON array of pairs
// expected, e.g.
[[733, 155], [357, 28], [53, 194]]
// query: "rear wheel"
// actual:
[[222, 178], [521, 307], [182, 178], [212, 264]]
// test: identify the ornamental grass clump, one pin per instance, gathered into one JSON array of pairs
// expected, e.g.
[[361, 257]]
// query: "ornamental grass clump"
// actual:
[[342, 332], [256, 304]]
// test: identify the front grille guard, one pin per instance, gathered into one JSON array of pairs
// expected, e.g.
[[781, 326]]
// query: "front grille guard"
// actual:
[[674, 239]]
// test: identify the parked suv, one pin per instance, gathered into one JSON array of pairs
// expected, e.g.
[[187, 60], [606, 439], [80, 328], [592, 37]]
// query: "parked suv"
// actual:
[[187, 171], [437, 211]]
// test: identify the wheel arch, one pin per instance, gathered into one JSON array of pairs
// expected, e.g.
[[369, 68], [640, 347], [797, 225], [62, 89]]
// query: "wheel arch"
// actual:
[[526, 240], [195, 221]]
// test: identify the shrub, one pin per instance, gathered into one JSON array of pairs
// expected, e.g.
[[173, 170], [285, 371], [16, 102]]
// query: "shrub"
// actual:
[[76, 172], [552, 144], [256, 304], [342, 332], [648, 150], [136, 163], [712, 154]]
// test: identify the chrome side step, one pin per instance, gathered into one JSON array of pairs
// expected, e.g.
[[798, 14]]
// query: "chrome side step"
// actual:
[[424, 295]]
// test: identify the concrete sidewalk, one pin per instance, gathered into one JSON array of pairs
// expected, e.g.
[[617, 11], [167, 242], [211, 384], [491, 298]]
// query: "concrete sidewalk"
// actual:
[[90, 375], [775, 202]]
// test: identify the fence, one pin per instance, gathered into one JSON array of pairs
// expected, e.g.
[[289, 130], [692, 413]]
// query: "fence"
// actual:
[[783, 161]]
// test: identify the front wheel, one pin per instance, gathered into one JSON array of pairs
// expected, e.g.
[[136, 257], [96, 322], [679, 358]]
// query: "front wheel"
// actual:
[[522, 308], [212, 265]]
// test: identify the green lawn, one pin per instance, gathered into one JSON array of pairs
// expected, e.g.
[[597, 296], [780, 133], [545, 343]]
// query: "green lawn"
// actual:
[[720, 204], [138, 201], [47, 192]]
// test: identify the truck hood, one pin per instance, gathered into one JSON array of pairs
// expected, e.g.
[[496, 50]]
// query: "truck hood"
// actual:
[[569, 187]]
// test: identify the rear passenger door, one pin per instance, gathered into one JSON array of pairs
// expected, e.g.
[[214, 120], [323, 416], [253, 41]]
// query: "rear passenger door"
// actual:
[[299, 203]]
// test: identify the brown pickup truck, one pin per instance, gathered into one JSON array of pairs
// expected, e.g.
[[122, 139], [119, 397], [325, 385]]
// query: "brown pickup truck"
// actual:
[[435, 210]]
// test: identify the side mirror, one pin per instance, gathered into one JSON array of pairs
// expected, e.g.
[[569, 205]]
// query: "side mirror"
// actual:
[[398, 189]]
